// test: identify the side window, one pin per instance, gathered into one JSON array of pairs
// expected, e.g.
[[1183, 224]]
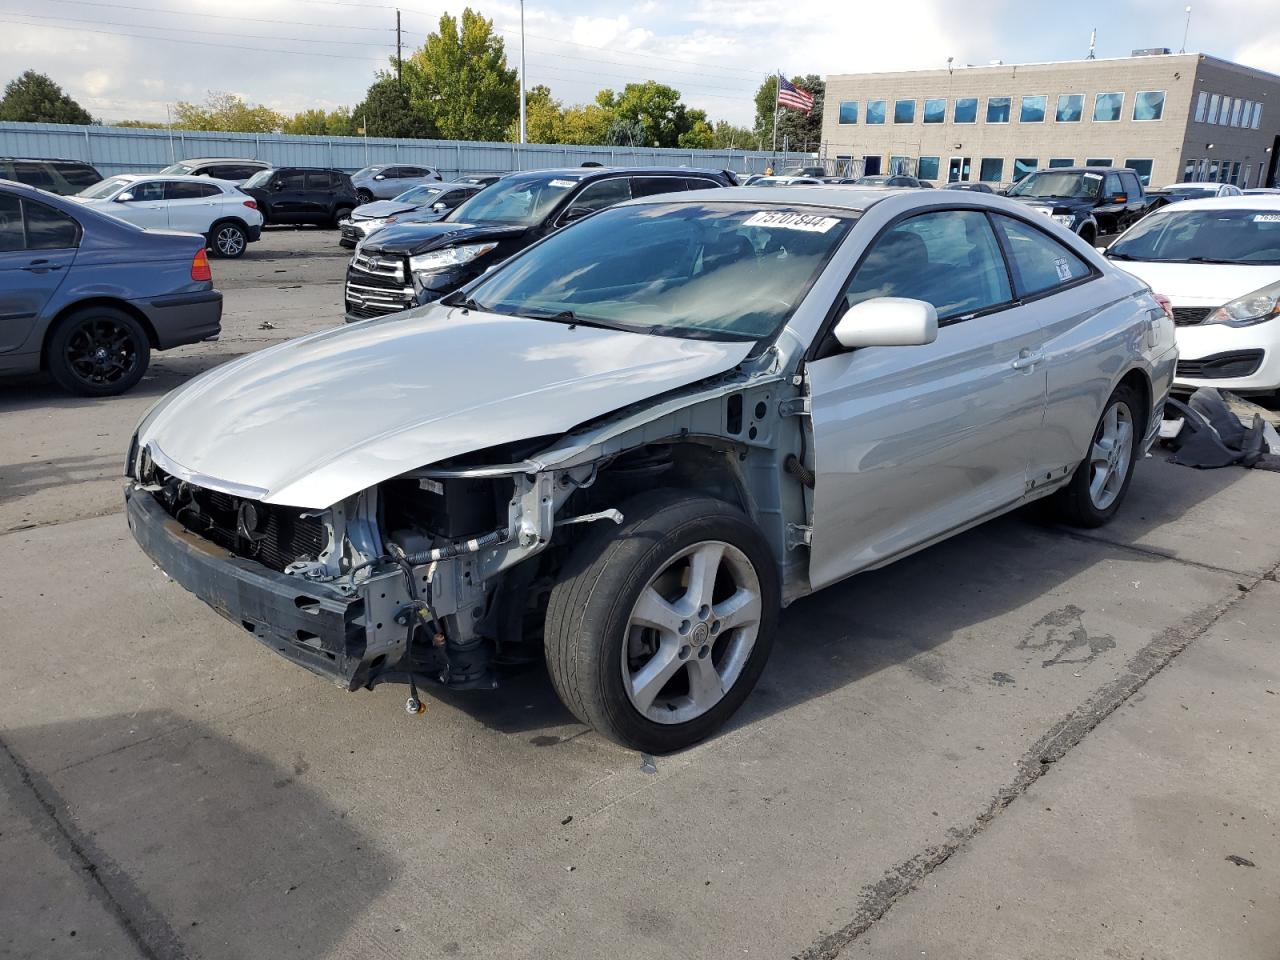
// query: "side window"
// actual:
[[33, 175], [292, 180], [601, 194], [1112, 186], [49, 229], [11, 237], [949, 258], [318, 181], [700, 183], [78, 175], [1038, 261], [1131, 185], [182, 190], [148, 191], [220, 172], [239, 173], [651, 186]]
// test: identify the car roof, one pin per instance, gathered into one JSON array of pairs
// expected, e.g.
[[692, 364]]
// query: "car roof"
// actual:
[[191, 160], [839, 196], [46, 160], [589, 173], [1246, 202], [166, 176]]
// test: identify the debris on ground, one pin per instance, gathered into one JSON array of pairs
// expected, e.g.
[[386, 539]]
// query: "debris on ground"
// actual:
[[1215, 429], [1241, 861], [266, 325]]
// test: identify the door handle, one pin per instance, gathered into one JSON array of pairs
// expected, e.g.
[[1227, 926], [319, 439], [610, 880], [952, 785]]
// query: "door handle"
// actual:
[[41, 266], [1026, 359]]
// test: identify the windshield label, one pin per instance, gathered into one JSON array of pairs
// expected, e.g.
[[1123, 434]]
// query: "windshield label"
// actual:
[[791, 221], [1267, 218], [564, 183], [1093, 176]]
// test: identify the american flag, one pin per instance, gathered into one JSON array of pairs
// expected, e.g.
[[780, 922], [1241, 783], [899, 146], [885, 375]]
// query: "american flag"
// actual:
[[789, 95]]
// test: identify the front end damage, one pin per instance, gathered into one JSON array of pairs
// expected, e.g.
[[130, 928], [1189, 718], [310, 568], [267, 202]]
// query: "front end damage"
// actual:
[[444, 571]]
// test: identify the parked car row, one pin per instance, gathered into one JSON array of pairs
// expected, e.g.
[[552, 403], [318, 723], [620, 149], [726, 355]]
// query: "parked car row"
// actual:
[[637, 412]]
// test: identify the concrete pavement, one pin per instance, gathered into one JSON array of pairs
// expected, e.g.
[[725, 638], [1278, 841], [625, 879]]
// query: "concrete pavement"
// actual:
[[169, 788]]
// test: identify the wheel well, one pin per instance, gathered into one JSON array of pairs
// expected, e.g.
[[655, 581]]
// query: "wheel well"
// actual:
[[1088, 232], [681, 464], [1137, 380], [79, 305], [236, 220]]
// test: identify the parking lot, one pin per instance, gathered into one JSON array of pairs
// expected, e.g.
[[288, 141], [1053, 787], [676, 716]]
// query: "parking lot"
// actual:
[[1025, 742]]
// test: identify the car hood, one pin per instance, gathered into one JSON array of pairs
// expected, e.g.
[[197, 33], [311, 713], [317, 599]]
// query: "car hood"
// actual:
[[1201, 284], [415, 238], [1055, 204], [314, 420], [381, 208]]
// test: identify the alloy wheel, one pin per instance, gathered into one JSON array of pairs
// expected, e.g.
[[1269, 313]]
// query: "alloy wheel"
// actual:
[[229, 241], [1110, 455], [691, 632], [101, 352]]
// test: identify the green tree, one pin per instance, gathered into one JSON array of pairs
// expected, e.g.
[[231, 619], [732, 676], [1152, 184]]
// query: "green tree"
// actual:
[[656, 111], [460, 76], [803, 132], [315, 122], [589, 123], [725, 136], [700, 135], [544, 117], [140, 124], [386, 111], [34, 98], [227, 112]]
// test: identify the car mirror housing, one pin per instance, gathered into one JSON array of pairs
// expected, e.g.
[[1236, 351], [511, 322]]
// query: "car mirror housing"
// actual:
[[380, 176], [888, 322], [439, 206], [1120, 198], [124, 197], [575, 213]]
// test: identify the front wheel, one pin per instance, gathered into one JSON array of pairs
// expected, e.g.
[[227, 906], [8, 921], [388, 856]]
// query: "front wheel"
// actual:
[[1102, 479], [98, 352], [659, 628]]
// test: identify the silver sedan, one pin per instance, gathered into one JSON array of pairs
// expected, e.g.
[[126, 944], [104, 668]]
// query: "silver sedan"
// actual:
[[628, 447]]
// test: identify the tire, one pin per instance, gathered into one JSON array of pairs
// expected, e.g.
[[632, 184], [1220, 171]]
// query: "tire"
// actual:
[[596, 643], [364, 196], [228, 240], [340, 213], [1088, 235], [98, 352], [1101, 481]]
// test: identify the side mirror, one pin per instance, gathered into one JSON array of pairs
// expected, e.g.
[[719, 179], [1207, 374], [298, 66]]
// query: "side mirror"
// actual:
[[439, 206], [575, 213], [1119, 198], [380, 176], [125, 197], [278, 185], [888, 322]]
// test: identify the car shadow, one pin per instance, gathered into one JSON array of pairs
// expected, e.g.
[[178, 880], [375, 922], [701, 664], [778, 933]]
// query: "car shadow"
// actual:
[[874, 620], [207, 848], [166, 372]]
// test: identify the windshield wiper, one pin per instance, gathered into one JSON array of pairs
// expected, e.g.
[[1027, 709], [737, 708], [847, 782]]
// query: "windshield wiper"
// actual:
[[1119, 256], [566, 316], [464, 301], [1209, 260]]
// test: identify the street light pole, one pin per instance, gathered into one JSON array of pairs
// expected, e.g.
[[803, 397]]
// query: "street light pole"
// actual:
[[524, 134], [1186, 30]]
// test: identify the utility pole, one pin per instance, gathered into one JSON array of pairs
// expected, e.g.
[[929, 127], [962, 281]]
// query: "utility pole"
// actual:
[[398, 82], [1186, 30], [524, 137]]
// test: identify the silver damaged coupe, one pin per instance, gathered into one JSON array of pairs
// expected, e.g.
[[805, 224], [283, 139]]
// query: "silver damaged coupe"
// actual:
[[628, 447]]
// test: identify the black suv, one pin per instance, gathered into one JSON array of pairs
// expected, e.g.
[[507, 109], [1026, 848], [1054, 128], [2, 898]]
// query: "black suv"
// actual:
[[1089, 201], [63, 177], [302, 195], [403, 265]]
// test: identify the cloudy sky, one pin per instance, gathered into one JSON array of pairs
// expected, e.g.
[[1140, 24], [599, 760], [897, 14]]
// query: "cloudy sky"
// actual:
[[127, 59]]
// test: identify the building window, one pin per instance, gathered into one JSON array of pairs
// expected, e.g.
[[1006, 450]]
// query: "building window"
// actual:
[[966, 110], [1062, 162], [1023, 166], [1033, 109], [1202, 106], [1148, 105], [1211, 172], [991, 170], [875, 111], [848, 111], [1142, 168], [998, 109], [1098, 162], [1224, 115], [1213, 109], [1235, 173], [904, 111], [927, 168], [1257, 116], [1248, 173], [1070, 107], [1107, 107], [1235, 112], [935, 110], [899, 165], [1189, 170]]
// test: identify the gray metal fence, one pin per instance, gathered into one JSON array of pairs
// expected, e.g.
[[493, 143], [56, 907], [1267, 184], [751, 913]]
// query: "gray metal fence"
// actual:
[[126, 149]]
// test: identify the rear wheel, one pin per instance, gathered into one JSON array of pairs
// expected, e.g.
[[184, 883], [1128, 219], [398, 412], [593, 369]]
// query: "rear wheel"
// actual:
[[365, 196], [341, 213], [659, 628], [98, 352], [228, 239], [1101, 481]]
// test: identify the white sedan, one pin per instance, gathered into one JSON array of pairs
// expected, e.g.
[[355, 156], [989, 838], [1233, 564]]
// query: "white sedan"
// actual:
[[228, 219], [1218, 262]]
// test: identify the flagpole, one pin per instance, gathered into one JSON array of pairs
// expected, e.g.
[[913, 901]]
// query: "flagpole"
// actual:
[[777, 89]]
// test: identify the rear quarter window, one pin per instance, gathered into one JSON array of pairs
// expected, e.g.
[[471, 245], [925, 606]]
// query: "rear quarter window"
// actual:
[[1040, 264], [48, 228], [78, 175]]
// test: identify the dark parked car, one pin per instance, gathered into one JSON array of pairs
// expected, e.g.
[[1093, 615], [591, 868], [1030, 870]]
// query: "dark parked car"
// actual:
[[404, 265], [974, 187], [421, 204], [87, 297], [1089, 201], [302, 195], [480, 179], [890, 180], [63, 177], [220, 168]]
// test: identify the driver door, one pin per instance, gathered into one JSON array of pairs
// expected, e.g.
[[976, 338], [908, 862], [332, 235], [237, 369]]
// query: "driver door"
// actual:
[[913, 442], [147, 208]]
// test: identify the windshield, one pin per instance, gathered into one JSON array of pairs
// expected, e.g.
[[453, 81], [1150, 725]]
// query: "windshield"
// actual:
[[1058, 184], [368, 171], [182, 169], [103, 188], [259, 179], [871, 181], [1192, 190], [1206, 236], [418, 195], [712, 271], [517, 200]]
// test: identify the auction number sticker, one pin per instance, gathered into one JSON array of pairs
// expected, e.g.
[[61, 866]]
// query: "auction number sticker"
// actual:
[[1063, 268], [1267, 218], [791, 221], [564, 183]]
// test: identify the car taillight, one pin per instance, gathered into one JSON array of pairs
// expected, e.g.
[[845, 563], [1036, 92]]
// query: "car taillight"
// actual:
[[251, 204], [200, 267], [1165, 304]]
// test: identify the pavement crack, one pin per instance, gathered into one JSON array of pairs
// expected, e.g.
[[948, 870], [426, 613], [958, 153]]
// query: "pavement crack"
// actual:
[[105, 881], [876, 899], [1081, 537]]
